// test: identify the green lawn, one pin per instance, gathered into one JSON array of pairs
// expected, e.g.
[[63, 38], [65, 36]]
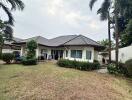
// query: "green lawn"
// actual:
[[47, 81]]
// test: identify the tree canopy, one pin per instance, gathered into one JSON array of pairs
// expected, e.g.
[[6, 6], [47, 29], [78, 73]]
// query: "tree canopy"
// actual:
[[8, 6]]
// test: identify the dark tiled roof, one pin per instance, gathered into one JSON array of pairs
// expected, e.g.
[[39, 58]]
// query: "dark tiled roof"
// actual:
[[17, 39], [12, 41], [63, 40], [82, 40], [38, 39]]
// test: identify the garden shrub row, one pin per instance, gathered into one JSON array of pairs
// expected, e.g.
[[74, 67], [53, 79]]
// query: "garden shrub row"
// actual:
[[85, 66], [31, 61], [8, 57], [128, 65], [122, 69]]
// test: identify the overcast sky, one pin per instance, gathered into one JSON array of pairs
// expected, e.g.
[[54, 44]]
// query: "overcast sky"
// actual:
[[51, 18]]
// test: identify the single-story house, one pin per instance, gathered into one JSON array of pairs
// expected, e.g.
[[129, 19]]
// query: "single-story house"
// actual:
[[72, 47], [10, 47]]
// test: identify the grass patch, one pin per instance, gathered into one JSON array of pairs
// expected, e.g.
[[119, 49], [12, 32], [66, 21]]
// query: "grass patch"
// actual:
[[48, 81]]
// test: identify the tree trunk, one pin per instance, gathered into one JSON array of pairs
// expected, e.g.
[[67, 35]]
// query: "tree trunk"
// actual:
[[116, 34], [0, 51], [109, 37]]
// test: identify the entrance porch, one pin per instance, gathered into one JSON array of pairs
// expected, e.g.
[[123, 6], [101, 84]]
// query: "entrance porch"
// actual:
[[57, 54]]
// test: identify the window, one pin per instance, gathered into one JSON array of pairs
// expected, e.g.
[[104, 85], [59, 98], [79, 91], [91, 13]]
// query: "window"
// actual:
[[88, 55], [76, 53], [66, 53], [43, 51]]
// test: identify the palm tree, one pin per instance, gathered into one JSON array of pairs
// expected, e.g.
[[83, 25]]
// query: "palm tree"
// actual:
[[121, 8], [6, 31], [103, 11], [104, 15], [15, 4], [6, 34]]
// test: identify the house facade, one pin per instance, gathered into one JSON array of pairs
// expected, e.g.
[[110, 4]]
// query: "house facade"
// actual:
[[72, 47], [10, 47]]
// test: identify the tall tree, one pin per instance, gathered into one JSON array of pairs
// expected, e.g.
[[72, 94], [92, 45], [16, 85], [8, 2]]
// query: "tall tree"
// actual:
[[105, 43], [126, 36], [6, 30], [8, 5], [104, 12], [117, 10], [6, 34], [124, 21]]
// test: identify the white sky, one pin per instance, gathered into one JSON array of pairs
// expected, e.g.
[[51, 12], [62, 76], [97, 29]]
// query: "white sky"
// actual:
[[51, 18]]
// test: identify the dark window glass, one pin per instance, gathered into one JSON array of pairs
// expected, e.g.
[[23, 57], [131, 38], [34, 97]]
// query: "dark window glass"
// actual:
[[88, 55], [76, 53]]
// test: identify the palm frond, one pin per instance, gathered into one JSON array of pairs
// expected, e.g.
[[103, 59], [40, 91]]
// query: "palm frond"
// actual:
[[91, 4], [8, 32], [16, 4], [7, 11], [103, 11]]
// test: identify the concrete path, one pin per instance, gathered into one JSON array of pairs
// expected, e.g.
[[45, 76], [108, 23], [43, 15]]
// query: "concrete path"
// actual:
[[104, 70]]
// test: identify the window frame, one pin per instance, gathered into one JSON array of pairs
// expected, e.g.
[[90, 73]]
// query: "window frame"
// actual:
[[66, 53], [76, 54], [90, 52]]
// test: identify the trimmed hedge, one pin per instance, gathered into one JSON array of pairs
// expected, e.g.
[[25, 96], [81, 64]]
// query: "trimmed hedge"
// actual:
[[85, 66], [8, 57], [26, 61], [120, 70], [128, 65]]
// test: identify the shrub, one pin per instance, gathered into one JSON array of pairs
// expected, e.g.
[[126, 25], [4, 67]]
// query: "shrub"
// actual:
[[97, 64], [112, 68], [30, 58], [7, 57], [128, 65], [85, 66], [0, 56], [32, 61], [31, 47], [62, 63], [121, 69]]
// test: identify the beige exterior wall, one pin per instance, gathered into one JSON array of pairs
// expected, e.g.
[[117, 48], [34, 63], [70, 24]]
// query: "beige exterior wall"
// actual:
[[47, 50], [23, 50], [7, 51], [84, 49], [96, 53]]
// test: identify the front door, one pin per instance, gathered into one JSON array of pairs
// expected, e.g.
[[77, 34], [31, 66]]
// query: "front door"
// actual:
[[57, 54]]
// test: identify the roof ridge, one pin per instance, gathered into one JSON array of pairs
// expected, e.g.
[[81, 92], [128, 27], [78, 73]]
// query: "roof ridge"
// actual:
[[83, 38], [71, 39], [91, 39], [62, 36]]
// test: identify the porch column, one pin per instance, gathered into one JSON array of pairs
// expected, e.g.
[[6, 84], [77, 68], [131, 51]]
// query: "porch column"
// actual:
[[93, 55], [84, 54], [37, 52], [48, 53], [64, 54], [22, 51], [69, 54]]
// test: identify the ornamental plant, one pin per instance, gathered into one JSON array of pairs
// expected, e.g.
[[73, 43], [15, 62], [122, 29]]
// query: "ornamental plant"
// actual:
[[31, 47]]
